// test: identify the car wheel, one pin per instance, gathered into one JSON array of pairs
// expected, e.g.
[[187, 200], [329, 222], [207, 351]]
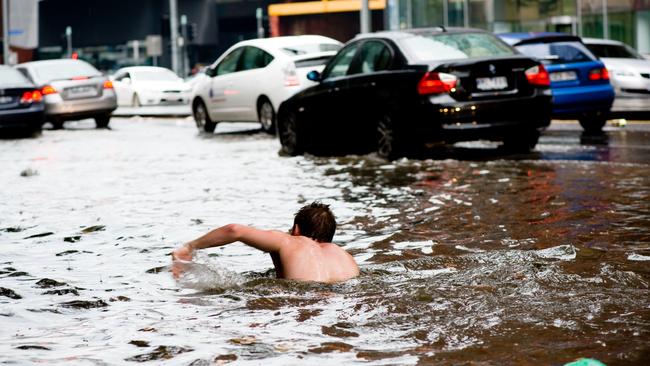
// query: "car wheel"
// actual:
[[266, 115], [102, 121], [289, 134], [593, 124], [203, 121], [57, 124], [521, 142], [136, 101]]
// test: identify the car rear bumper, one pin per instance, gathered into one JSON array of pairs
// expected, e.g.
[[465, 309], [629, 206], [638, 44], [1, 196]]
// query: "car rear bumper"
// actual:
[[490, 120], [82, 108], [33, 116], [568, 102]]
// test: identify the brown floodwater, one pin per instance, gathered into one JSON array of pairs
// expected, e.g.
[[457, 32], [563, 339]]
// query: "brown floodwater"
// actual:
[[468, 256]]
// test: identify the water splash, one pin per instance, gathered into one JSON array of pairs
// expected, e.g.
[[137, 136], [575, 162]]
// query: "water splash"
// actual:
[[207, 276]]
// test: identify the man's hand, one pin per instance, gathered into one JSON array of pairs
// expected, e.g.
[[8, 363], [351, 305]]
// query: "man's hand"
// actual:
[[183, 253]]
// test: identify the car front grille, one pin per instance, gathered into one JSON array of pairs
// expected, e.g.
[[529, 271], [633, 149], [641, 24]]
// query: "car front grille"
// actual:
[[635, 91]]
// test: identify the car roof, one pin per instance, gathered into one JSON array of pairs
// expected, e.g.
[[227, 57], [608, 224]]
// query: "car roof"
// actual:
[[143, 68], [285, 41], [602, 41], [406, 33], [516, 39]]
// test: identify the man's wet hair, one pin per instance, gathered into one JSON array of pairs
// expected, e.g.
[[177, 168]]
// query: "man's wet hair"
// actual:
[[316, 221]]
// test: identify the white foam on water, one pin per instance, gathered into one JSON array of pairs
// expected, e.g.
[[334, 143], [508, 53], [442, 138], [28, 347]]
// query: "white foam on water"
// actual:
[[205, 276], [638, 257], [563, 252]]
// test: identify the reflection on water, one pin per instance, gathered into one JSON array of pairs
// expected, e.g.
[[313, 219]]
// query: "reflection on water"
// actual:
[[529, 260]]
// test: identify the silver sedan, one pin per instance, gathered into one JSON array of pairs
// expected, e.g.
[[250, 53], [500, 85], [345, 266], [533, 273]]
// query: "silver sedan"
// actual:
[[629, 74], [72, 90]]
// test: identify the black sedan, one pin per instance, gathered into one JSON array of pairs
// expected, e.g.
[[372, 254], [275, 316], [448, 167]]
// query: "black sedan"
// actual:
[[21, 103], [394, 92]]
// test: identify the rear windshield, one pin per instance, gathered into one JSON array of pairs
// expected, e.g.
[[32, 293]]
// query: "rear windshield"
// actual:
[[12, 77], [64, 70], [558, 52], [613, 51], [455, 46], [304, 49]]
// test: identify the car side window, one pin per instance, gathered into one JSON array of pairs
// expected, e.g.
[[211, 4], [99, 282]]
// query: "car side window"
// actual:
[[253, 58], [229, 63], [341, 62], [373, 56]]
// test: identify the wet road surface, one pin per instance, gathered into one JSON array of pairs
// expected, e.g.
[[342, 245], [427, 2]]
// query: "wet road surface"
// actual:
[[468, 257]]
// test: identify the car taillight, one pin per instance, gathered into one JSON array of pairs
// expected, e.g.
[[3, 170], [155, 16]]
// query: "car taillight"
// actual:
[[31, 97], [108, 84], [437, 83], [47, 90], [599, 74], [538, 75], [290, 76]]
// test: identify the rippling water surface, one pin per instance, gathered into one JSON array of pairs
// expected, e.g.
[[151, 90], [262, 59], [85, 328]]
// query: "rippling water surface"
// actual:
[[529, 261]]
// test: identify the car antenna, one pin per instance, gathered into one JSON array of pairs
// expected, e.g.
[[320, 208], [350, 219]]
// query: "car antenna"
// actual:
[[443, 28]]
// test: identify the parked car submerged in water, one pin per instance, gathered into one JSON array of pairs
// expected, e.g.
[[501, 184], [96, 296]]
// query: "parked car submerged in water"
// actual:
[[629, 72], [21, 102], [149, 85], [395, 91], [579, 81], [250, 80], [72, 90]]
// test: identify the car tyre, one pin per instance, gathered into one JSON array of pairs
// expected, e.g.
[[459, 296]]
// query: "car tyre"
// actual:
[[202, 119], [521, 142], [266, 115], [593, 124], [290, 134], [57, 124], [102, 121]]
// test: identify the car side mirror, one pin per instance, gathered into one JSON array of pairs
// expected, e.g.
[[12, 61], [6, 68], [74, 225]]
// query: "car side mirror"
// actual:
[[314, 76], [211, 71]]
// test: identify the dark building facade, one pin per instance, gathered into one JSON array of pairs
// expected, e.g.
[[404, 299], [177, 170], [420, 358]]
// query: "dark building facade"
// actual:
[[112, 34]]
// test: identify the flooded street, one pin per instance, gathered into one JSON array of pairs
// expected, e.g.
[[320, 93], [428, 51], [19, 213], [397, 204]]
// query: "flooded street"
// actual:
[[468, 257]]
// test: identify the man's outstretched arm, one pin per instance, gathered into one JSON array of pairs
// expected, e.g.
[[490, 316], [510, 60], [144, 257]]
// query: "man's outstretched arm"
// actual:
[[264, 240]]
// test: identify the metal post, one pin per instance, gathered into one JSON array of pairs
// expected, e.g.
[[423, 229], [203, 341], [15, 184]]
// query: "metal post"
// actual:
[[68, 37], [185, 62], [259, 15], [173, 27], [409, 14], [445, 13], [605, 21], [5, 32], [579, 16], [466, 13], [365, 17]]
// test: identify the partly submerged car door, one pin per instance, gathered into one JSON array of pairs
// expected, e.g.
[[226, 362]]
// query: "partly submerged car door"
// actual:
[[248, 84], [219, 95], [325, 108]]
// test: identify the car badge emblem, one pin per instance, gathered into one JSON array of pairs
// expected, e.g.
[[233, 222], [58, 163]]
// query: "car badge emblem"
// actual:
[[493, 69]]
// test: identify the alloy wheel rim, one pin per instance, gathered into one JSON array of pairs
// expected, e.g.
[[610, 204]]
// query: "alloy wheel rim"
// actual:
[[200, 116], [266, 115]]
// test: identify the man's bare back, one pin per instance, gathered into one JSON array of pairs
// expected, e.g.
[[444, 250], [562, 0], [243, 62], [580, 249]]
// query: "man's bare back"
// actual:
[[295, 256]]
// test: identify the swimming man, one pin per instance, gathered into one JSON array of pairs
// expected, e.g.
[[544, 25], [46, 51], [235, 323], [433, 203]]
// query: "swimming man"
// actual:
[[306, 254]]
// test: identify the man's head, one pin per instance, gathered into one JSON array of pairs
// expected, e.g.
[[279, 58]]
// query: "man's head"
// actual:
[[315, 221]]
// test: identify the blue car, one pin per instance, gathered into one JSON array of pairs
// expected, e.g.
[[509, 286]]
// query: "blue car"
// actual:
[[579, 80]]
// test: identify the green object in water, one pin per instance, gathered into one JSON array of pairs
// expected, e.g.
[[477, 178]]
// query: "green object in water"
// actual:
[[585, 362]]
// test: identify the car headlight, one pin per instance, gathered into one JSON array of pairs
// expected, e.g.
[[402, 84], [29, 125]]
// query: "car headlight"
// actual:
[[624, 73]]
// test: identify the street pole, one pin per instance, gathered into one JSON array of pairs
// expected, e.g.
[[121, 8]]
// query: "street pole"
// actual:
[[173, 26], [365, 17], [466, 13], [185, 54], [445, 13], [579, 16], [259, 16], [68, 37], [605, 21], [5, 32]]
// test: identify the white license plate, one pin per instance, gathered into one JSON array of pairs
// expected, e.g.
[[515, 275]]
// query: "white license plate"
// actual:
[[5, 100], [495, 83], [564, 76], [82, 91]]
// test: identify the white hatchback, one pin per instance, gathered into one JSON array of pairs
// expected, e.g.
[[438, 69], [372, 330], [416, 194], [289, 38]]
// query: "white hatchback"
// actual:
[[149, 85], [252, 78]]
